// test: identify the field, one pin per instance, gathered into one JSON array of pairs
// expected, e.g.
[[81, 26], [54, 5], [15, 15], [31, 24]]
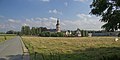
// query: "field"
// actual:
[[73, 48], [4, 37]]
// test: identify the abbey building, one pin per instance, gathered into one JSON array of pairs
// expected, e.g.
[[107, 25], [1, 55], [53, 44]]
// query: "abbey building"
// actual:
[[58, 26]]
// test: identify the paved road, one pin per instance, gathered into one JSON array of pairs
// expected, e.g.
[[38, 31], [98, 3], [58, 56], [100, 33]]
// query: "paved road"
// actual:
[[11, 49]]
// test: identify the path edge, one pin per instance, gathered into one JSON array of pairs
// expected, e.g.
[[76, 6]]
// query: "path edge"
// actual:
[[26, 55]]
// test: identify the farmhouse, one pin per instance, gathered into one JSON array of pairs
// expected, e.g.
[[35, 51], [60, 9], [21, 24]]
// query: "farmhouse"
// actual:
[[78, 33]]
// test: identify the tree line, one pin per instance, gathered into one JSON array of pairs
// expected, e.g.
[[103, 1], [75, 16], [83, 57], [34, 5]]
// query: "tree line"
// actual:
[[39, 31], [25, 30], [44, 32]]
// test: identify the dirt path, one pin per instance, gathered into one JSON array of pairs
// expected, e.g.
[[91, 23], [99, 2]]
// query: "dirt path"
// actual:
[[12, 49]]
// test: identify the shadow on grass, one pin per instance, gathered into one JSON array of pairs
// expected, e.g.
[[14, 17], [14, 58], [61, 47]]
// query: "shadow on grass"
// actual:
[[102, 53]]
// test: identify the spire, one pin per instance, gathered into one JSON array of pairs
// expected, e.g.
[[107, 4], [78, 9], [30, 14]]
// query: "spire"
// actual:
[[58, 26], [58, 21]]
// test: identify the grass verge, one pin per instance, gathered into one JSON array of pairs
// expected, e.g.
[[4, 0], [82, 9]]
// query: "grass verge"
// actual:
[[82, 48], [4, 37]]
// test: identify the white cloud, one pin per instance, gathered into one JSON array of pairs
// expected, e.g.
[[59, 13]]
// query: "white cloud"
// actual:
[[45, 0], [53, 18], [45, 18], [80, 0], [13, 21], [41, 22], [66, 4], [24, 24], [38, 18], [84, 21], [55, 11], [10, 24], [39, 0], [83, 16]]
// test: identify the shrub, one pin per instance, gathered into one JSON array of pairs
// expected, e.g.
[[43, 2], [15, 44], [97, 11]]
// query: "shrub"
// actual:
[[45, 34]]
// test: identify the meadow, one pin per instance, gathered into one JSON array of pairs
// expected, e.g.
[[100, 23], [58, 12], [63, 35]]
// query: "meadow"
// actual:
[[73, 48], [4, 37]]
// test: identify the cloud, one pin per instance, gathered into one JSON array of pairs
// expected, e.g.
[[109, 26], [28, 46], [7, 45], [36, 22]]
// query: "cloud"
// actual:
[[39, 0], [2, 26], [53, 18], [1, 16], [45, 0], [13, 21], [55, 11], [40, 22], [84, 21], [83, 16], [10, 24], [80, 0], [66, 4]]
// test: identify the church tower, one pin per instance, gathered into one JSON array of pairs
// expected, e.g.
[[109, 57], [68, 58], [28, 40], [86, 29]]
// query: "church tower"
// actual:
[[58, 26]]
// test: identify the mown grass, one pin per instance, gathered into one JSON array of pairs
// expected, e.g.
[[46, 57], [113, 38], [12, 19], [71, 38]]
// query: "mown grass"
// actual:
[[73, 48], [4, 37]]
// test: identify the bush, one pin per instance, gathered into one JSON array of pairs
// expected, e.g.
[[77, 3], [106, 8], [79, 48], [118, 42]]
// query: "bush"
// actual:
[[51, 34], [60, 34], [45, 34], [84, 33]]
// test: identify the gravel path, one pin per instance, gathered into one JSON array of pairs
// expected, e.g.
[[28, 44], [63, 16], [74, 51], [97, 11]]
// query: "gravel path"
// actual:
[[11, 49]]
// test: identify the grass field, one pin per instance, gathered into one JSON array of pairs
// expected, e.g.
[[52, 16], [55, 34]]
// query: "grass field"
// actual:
[[73, 48], [4, 37]]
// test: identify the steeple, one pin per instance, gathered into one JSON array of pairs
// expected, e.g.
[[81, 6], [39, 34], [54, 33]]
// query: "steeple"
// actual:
[[58, 26], [58, 22]]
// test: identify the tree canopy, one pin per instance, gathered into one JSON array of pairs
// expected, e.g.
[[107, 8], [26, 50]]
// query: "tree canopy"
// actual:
[[109, 10]]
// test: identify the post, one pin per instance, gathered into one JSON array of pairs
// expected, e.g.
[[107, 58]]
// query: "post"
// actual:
[[5, 37]]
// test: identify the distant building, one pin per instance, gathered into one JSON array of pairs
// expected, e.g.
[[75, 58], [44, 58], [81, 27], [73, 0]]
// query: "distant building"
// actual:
[[58, 26], [68, 33], [52, 30], [78, 33], [89, 34]]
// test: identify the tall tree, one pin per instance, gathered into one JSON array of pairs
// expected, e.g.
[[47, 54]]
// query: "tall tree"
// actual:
[[109, 10], [25, 30], [37, 30], [33, 31], [22, 30], [10, 32]]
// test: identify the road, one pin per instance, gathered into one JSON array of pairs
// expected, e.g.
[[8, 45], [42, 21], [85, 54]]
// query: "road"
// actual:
[[11, 49]]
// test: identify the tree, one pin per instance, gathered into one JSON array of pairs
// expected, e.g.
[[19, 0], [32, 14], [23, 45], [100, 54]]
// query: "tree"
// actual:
[[43, 29], [45, 34], [33, 31], [60, 34], [22, 30], [10, 32], [109, 10], [37, 30], [25, 30]]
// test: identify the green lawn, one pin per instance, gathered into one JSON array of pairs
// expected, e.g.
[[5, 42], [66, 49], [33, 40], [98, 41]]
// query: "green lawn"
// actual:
[[4, 37], [73, 48]]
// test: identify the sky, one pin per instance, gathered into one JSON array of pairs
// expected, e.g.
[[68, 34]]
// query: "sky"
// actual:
[[72, 14]]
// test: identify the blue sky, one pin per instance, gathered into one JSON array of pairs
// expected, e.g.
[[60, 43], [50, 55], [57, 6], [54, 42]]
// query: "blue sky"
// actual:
[[73, 14]]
